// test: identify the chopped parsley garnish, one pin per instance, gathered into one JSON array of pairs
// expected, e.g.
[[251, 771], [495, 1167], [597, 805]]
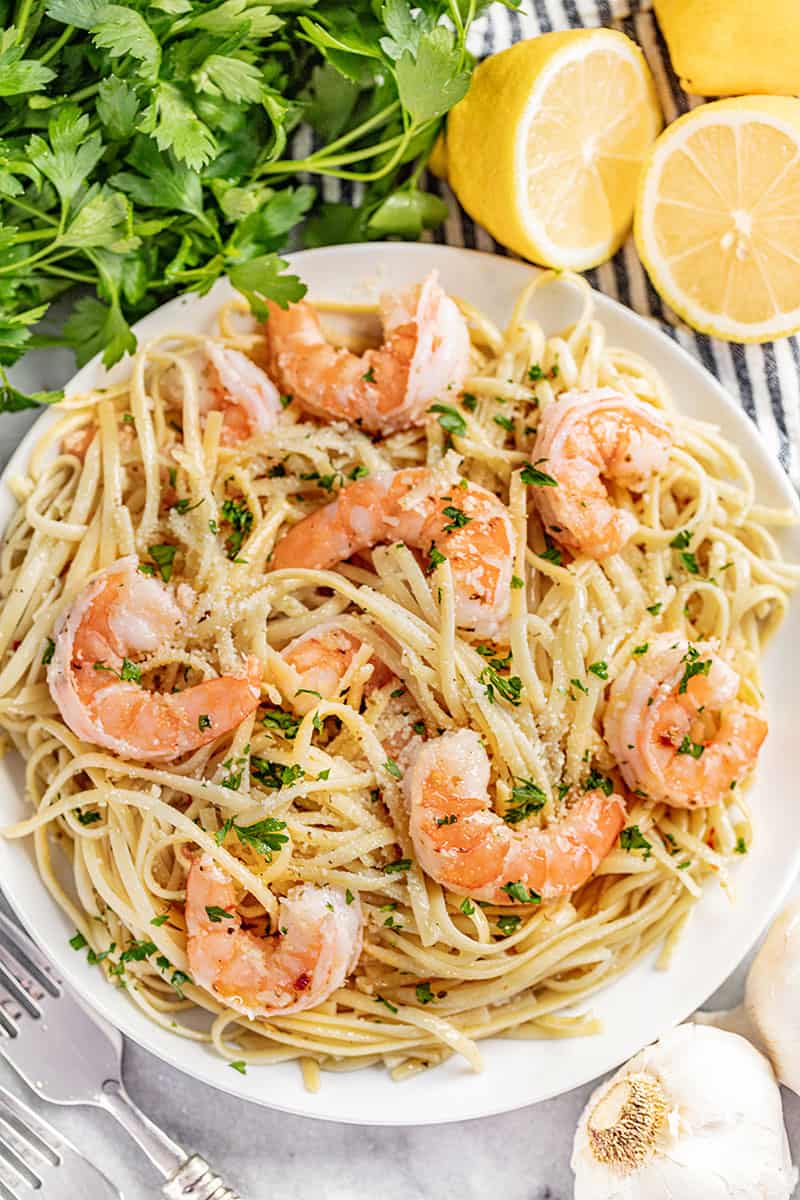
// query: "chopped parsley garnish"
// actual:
[[638, 651], [348, 896], [576, 683], [49, 651], [78, 941], [273, 774], [177, 980], [358, 472], [510, 688], [216, 914], [467, 907], [159, 921], [419, 727], [163, 557], [516, 582], [264, 836], [687, 746], [397, 693], [382, 1000], [632, 838], [240, 519], [741, 846], [88, 818], [537, 372], [138, 951], [681, 540], [536, 478], [551, 552], [600, 669], [286, 723], [457, 518], [203, 722], [450, 819], [435, 558], [508, 924], [520, 894], [397, 867], [324, 774], [654, 609], [527, 798], [504, 422], [184, 505], [233, 779], [285, 401], [450, 419], [469, 401], [213, 526], [391, 766], [369, 376], [694, 666], [424, 993], [240, 1065], [130, 673], [594, 780], [690, 562], [94, 957]]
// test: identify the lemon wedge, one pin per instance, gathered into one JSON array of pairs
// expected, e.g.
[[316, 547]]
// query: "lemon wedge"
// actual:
[[546, 148], [717, 217]]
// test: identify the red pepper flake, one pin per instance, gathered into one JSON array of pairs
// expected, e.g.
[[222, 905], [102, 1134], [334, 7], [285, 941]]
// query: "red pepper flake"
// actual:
[[302, 982]]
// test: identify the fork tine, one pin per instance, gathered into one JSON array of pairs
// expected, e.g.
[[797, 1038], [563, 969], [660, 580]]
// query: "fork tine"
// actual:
[[33, 1126], [32, 957], [11, 1012]]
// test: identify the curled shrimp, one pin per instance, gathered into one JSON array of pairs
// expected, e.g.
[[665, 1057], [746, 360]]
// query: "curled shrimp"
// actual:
[[93, 677], [675, 725], [425, 356], [231, 383], [317, 948], [586, 439], [318, 662], [469, 525], [468, 848], [317, 665]]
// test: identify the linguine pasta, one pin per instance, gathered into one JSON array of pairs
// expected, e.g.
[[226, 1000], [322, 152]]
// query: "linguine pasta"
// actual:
[[135, 470]]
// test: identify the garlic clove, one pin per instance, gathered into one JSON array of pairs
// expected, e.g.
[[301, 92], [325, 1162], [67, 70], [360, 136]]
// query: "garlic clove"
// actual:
[[772, 996]]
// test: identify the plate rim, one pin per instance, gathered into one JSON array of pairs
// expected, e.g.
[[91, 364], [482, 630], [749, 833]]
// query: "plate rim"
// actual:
[[207, 1070]]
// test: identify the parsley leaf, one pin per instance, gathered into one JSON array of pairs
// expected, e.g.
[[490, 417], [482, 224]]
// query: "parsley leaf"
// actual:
[[632, 838]]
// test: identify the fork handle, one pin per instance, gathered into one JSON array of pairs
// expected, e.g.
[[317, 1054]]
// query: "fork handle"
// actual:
[[196, 1181], [186, 1178]]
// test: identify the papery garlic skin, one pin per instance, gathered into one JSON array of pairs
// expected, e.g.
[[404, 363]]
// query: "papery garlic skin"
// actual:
[[718, 1119], [772, 997]]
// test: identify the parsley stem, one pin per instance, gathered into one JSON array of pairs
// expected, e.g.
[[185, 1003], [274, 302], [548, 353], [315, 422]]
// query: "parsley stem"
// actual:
[[36, 212], [29, 235], [373, 122], [21, 20], [320, 166], [58, 44]]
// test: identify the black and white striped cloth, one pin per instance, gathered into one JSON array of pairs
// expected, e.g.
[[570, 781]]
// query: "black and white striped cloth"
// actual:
[[764, 378]]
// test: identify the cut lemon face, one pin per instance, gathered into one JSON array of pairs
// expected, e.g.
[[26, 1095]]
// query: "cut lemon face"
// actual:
[[546, 148], [718, 217]]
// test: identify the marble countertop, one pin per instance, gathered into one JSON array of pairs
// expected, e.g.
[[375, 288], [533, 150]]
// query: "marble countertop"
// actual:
[[271, 1156]]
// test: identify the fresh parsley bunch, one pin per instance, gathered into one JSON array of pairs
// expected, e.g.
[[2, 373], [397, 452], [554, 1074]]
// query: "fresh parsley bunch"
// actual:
[[143, 147]]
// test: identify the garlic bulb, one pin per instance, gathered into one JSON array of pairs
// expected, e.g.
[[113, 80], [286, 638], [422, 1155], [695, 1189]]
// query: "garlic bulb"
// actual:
[[697, 1116], [770, 1014]]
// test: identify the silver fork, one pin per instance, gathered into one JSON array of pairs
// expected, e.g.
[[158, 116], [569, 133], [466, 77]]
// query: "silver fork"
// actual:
[[68, 1056], [34, 1155]]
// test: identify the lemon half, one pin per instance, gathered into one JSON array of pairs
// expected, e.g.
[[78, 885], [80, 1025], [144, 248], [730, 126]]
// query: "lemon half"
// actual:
[[718, 217], [546, 148]]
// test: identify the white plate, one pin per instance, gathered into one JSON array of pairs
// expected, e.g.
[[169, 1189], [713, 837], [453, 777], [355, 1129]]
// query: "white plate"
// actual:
[[643, 1003]]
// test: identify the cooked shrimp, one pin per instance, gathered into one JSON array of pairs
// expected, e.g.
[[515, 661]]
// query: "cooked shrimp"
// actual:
[[584, 439], [231, 383], [464, 845], [317, 948], [319, 661], [93, 679], [468, 525], [424, 357], [676, 728]]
